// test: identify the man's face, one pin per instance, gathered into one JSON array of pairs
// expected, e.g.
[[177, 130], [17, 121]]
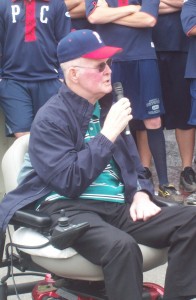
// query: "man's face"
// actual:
[[94, 78]]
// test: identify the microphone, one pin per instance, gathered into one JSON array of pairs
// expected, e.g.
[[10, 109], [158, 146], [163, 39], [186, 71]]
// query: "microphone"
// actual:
[[118, 92]]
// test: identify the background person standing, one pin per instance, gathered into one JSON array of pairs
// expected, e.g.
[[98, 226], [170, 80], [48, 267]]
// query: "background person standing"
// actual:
[[188, 18], [29, 34], [128, 24]]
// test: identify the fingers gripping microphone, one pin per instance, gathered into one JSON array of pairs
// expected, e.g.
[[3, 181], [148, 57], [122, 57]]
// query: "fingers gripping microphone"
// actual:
[[118, 91]]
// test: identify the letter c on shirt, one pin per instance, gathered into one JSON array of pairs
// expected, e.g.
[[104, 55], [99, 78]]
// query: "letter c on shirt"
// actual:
[[42, 18]]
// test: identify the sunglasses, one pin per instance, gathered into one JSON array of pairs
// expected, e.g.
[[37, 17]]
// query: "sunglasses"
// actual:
[[101, 67]]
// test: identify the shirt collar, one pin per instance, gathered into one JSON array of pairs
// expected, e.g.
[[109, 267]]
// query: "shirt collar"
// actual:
[[96, 112]]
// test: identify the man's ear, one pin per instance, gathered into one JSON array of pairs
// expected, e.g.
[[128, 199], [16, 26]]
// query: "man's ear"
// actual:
[[73, 74]]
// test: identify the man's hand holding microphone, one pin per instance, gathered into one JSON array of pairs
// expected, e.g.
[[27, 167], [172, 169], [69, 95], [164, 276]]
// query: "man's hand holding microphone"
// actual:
[[118, 116]]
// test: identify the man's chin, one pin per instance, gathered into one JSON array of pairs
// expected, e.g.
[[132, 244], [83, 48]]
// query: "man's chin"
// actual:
[[108, 89]]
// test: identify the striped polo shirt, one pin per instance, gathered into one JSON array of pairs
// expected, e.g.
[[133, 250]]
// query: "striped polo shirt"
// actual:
[[107, 186]]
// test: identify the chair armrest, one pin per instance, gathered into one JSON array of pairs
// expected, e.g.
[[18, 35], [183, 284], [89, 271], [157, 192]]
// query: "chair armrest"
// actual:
[[31, 218], [161, 202], [63, 235]]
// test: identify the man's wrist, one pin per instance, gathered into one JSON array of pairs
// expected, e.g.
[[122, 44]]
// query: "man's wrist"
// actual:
[[134, 8], [147, 193], [109, 135]]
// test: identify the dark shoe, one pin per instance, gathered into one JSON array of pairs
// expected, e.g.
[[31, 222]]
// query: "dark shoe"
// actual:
[[188, 180], [170, 192]]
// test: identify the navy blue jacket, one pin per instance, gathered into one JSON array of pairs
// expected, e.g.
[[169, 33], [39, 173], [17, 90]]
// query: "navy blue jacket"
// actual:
[[64, 163], [29, 34]]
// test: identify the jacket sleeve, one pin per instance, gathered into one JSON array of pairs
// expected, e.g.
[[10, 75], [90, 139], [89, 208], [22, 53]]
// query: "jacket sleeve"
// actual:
[[188, 16], [56, 159]]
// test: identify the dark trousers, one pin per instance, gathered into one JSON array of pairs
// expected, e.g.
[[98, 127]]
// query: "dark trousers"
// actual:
[[111, 241]]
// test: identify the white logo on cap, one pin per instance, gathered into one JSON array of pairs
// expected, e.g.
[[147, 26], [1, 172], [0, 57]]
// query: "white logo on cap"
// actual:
[[97, 36]]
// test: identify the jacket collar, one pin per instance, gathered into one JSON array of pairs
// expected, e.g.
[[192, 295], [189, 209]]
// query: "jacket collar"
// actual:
[[83, 110], [77, 103]]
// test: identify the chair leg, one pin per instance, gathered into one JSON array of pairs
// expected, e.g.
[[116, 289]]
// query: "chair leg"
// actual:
[[3, 285], [2, 245], [3, 291]]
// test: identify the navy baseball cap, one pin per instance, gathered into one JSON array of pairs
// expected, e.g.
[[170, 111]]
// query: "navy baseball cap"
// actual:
[[84, 43]]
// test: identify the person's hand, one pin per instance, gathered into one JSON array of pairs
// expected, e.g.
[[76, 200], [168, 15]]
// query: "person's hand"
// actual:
[[142, 208], [117, 119]]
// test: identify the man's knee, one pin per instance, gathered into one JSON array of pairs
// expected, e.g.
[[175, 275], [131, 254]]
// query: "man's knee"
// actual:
[[124, 247], [153, 123]]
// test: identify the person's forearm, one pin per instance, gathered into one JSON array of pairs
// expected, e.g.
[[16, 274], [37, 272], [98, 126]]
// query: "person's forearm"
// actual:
[[173, 3], [130, 15], [76, 8], [72, 4], [78, 12], [137, 20], [145, 17], [167, 7], [103, 15]]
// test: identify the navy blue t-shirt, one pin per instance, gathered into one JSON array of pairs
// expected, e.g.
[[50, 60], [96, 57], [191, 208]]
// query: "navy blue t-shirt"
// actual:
[[168, 33], [29, 34], [136, 42], [81, 23], [188, 17]]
